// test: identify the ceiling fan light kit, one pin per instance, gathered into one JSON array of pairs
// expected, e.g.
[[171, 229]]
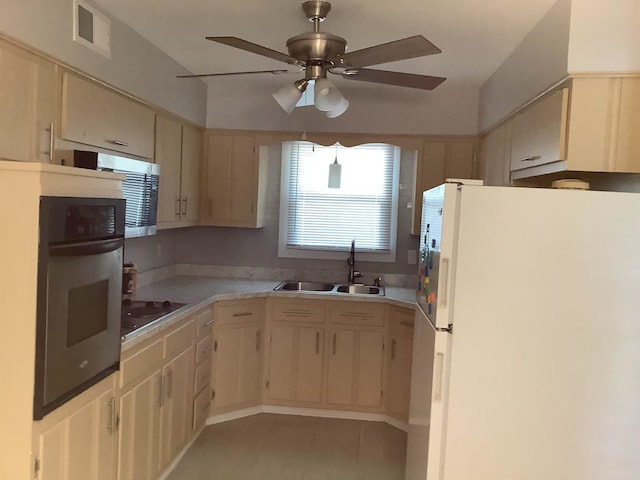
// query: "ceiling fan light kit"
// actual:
[[320, 53]]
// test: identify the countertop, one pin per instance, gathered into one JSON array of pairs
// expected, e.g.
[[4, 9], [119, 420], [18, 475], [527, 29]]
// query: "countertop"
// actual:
[[198, 292]]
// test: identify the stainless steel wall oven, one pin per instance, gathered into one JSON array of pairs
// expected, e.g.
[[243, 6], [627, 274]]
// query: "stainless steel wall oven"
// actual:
[[79, 296]]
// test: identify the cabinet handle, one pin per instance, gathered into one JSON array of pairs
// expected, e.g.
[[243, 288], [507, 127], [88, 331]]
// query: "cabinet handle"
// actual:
[[317, 343], [334, 343], [530, 158], [178, 207], [393, 349], [208, 323], [161, 391], [119, 143], [242, 314], [438, 376], [258, 341], [184, 205], [51, 140], [169, 383], [111, 425]]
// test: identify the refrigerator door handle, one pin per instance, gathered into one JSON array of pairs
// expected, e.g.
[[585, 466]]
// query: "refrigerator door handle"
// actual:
[[444, 265], [438, 370]]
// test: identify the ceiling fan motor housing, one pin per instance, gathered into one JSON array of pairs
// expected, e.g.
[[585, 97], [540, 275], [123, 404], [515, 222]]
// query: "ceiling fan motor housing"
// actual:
[[316, 47]]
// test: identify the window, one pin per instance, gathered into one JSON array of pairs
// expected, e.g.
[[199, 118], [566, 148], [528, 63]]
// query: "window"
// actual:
[[317, 221]]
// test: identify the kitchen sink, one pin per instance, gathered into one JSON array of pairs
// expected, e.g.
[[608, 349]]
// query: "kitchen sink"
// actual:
[[362, 289], [300, 286], [305, 286]]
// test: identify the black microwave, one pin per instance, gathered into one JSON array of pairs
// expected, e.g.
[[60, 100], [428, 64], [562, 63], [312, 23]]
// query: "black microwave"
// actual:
[[139, 189]]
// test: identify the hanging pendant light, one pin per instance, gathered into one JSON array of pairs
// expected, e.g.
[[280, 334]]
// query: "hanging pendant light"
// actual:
[[335, 172]]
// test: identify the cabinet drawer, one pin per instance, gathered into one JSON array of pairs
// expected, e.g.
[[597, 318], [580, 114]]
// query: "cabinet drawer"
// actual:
[[402, 321], [138, 365], [237, 313], [297, 311], [358, 314], [179, 340], [201, 408], [204, 321], [203, 349], [202, 377]]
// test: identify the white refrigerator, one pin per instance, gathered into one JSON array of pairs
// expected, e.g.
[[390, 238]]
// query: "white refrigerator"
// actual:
[[526, 362]]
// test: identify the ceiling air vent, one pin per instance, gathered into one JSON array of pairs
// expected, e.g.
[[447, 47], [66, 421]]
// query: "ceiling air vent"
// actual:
[[92, 28]]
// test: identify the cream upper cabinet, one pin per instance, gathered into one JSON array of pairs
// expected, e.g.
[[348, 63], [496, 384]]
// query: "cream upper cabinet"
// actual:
[[495, 156], [168, 153], [95, 115], [27, 99], [178, 152], [78, 441], [588, 126], [237, 359], [233, 182], [399, 362], [440, 160]]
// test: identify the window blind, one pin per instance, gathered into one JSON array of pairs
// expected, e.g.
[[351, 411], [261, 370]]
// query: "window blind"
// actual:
[[323, 218]]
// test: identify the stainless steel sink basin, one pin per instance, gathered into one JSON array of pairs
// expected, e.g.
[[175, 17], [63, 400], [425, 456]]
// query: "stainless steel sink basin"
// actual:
[[305, 286], [362, 289]]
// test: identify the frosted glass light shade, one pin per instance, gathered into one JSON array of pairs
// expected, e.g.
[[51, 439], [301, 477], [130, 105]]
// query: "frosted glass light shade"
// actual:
[[339, 109], [327, 96], [288, 96]]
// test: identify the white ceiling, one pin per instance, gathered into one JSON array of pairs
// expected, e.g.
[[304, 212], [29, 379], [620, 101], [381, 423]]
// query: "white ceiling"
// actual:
[[475, 36]]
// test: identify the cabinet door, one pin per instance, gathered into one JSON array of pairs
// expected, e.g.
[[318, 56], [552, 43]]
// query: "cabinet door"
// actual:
[[177, 408], [369, 369], [399, 376], [81, 445], [190, 178], [309, 364], [250, 365], [540, 131], [27, 91], [231, 181], [140, 430], [95, 115], [495, 156], [168, 150], [282, 353], [341, 365], [226, 367]]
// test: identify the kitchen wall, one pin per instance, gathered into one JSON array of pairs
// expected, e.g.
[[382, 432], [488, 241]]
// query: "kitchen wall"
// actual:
[[258, 248], [135, 66], [537, 63]]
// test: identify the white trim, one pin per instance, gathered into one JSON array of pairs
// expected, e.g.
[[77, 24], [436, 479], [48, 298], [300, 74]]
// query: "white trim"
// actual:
[[309, 412]]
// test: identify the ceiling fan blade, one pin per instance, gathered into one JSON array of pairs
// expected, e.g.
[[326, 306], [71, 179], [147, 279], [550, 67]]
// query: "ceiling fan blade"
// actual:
[[254, 48], [200, 75], [411, 47], [424, 82]]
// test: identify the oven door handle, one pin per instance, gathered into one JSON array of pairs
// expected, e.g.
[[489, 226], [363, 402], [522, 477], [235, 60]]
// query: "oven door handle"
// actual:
[[86, 248]]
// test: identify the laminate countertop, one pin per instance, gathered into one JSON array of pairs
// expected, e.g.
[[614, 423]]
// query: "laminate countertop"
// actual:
[[198, 292]]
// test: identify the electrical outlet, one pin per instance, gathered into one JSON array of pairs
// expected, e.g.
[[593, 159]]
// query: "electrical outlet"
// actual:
[[411, 257]]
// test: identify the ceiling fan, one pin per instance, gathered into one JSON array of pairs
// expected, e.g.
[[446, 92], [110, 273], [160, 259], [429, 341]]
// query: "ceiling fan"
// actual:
[[319, 53]]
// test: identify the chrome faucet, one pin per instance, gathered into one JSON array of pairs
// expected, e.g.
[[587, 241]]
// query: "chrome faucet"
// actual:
[[351, 261]]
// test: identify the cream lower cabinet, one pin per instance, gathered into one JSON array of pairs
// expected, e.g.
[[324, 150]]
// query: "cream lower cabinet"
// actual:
[[355, 359], [78, 441], [237, 357], [27, 98], [398, 361], [177, 404]]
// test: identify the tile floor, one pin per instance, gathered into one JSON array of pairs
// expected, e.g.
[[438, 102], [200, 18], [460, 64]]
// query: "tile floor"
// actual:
[[291, 447]]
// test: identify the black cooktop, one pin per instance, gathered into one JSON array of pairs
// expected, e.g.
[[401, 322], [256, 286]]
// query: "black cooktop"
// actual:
[[140, 313]]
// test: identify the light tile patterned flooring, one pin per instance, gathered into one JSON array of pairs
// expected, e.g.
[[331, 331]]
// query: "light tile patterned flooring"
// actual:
[[291, 447]]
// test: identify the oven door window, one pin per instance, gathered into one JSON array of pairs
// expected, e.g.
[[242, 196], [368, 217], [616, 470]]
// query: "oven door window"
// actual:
[[87, 307]]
